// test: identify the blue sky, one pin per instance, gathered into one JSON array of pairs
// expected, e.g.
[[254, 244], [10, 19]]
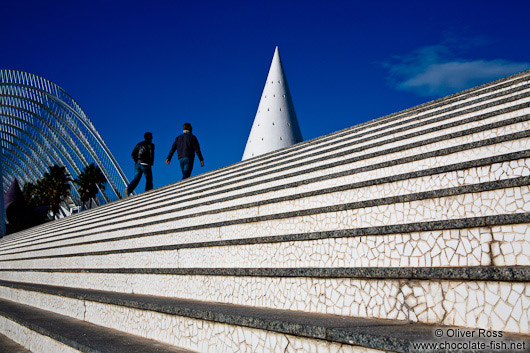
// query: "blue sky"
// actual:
[[136, 66]]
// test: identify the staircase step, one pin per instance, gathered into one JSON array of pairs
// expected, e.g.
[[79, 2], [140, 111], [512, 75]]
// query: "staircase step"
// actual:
[[509, 168], [508, 196], [367, 239], [280, 164], [9, 346], [385, 335], [500, 240], [56, 332], [385, 293], [102, 227]]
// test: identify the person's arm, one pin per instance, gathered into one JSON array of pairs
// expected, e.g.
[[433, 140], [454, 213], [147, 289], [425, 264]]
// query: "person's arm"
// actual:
[[134, 153], [171, 151], [153, 154], [198, 150]]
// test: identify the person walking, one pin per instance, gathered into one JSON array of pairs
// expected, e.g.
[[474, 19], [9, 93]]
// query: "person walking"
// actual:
[[186, 146], [143, 155]]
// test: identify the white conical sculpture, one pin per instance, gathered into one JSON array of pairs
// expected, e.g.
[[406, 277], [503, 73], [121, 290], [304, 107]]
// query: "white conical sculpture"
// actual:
[[275, 125]]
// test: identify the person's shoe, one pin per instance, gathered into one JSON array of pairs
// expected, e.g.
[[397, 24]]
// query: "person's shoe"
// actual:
[[125, 193]]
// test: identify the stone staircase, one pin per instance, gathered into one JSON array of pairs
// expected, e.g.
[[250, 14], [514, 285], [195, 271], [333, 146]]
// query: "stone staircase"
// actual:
[[368, 239]]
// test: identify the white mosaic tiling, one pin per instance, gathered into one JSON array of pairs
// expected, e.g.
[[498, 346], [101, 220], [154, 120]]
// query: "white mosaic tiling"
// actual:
[[511, 245], [498, 171], [391, 143], [416, 116], [285, 155], [296, 158], [464, 247], [32, 340], [60, 305], [500, 201], [391, 121], [485, 304], [482, 135], [413, 116], [194, 334], [478, 304]]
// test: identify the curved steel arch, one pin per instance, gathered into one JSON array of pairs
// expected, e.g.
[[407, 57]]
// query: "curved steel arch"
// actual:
[[52, 134], [43, 152], [52, 127], [29, 161], [39, 160], [49, 143], [61, 98], [69, 132], [15, 167]]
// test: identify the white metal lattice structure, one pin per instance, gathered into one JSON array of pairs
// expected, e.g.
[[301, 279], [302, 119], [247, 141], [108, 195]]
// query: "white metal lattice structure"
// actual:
[[42, 125], [275, 125]]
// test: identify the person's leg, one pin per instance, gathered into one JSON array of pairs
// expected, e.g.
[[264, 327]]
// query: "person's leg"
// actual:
[[148, 177], [191, 164], [137, 176], [186, 167]]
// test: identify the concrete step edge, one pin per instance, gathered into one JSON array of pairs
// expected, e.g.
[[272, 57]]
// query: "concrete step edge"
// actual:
[[80, 335], [389, 335], [151, 195], [475, 222]]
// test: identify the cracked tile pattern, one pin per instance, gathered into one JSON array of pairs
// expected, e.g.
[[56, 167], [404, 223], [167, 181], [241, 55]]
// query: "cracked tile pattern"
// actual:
[[480, 304], [31, 340], [507, 245], [511, 245], [206, 336], [348, 138], [147, 211], [500, 201], [406, 116], [499, 305], [61, 305], [482, 135], [481, 175], [418, 150], [498, 171], [459, 247], [425, 136]]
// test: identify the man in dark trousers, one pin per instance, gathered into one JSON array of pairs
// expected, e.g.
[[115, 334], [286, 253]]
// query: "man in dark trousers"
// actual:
[[143, 155], [186, 146]]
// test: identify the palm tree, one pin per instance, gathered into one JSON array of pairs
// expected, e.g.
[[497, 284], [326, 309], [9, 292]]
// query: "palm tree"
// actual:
[[90, 181], [54, 187], [31, 195]]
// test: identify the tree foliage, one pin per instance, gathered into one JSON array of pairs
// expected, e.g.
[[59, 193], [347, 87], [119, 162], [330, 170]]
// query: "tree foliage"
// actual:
[[32, 195], [54, 187], [90, 181]]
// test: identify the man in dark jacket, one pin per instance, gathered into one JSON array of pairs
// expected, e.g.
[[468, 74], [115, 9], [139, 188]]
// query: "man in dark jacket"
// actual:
[[186, 146], [143, 155]]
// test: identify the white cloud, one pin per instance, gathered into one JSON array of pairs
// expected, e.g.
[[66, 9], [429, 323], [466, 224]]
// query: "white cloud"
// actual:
[[431, 71]]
